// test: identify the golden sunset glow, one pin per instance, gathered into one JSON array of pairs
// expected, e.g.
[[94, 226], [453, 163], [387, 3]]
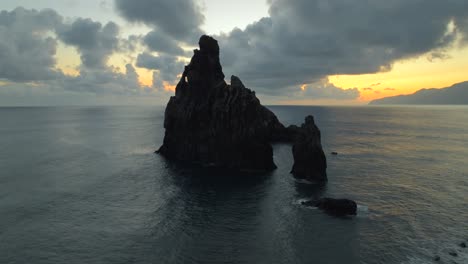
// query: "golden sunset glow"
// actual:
[[408, 76], [169, 87], [68, 59], [145, 76]]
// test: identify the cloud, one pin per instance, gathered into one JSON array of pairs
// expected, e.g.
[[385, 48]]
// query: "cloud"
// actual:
[[303, 41], [437, 55], [367, 89], [179, 19], [159, 42], [323, 89], [168, 67], [28, 69], [94, 41], [300, 42], [389, 89], [26, 48], [174, 23], [90, 86], [461, 24], [103, 82]]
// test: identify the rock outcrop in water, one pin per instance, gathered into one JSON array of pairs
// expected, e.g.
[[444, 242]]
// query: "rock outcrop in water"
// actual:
[[212, 123], [309, 159]]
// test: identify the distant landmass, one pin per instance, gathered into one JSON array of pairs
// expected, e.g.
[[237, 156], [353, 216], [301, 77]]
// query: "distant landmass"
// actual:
[[456, 94]]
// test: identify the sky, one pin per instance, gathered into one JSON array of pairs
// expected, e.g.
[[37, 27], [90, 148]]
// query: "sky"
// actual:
[[87, 52]]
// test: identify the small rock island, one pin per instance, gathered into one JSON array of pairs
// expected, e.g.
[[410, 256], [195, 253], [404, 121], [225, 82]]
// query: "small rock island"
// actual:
[[212, 123]]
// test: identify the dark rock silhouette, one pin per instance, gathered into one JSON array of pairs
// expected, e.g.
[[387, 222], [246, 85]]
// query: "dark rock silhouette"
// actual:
[[338, 207], [212, 123], [309, 159]]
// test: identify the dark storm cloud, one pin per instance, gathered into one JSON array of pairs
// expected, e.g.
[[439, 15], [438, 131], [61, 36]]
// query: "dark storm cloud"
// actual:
[[179, 19], [94, 41], [26, 51], [305, 40]]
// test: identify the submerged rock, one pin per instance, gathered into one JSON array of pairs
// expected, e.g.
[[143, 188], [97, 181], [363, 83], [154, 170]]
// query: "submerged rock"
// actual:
[[339, 207], [213, 123]]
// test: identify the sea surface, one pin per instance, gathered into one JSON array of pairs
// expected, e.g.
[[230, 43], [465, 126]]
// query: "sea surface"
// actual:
[[82, 185]]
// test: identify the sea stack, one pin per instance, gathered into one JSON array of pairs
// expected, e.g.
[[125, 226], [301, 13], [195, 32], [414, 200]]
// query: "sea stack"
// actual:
[[212, 123], [310, 162]]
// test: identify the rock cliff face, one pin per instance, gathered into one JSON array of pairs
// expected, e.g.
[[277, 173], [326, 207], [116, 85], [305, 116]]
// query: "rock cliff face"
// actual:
[[212, 123]]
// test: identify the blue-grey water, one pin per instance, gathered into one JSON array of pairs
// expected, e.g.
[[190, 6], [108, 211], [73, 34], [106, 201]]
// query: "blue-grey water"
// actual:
[[82, 185]]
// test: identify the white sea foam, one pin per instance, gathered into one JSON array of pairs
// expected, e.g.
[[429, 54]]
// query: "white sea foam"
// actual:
[[300, 201], [362, 210], [303, 181]]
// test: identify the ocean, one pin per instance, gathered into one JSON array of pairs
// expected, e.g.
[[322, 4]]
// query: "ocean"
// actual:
[[82, 185]]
